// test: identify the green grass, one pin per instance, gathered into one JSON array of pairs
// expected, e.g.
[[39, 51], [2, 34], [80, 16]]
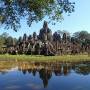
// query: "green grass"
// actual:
[[67, 58]]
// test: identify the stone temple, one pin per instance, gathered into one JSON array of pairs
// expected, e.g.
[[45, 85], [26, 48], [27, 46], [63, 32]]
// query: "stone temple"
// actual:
[[45, 43]]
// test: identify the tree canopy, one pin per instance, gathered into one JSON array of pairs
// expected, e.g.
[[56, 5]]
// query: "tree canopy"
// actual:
[[11, 11], [6, 41]]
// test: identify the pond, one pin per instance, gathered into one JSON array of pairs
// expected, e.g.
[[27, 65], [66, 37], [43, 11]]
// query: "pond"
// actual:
[[26, 75]]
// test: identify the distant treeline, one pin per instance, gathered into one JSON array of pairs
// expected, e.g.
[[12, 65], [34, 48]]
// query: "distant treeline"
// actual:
[[46, 43]]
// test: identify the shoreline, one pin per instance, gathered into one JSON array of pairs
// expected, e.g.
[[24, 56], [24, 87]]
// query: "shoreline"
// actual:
[[64, 58]]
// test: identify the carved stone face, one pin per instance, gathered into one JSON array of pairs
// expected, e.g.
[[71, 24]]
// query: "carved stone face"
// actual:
[[45, 25]]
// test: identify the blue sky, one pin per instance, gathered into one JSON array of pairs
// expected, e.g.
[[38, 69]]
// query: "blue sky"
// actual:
[[77, 21]]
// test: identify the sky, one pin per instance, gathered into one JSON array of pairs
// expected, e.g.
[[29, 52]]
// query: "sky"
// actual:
[[77, 21]]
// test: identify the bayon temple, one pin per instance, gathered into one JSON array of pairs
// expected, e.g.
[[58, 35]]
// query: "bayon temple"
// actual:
[[46, 43]]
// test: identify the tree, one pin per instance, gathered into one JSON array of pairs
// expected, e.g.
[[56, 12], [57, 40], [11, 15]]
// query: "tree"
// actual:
[[2, 42], [82, 36], [6, 41], [3, 39], [5, 35], [64, 32], [9, 41], [14, 41], [11, 11], [88, 39], [19, 41], [76, 34]]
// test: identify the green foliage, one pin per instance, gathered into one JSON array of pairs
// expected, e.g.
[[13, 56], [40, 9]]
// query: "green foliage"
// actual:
[[11, 11], [3, 40], [82, 37], [9, 41], [6, 41]]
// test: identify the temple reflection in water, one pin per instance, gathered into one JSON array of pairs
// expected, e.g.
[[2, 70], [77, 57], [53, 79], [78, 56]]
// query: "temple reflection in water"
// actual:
[[45, 69]]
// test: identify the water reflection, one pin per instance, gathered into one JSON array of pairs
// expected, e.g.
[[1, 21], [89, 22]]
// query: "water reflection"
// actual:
[[45, 70]]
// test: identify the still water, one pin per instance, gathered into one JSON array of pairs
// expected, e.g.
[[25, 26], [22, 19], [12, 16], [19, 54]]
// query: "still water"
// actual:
[[25, 75]]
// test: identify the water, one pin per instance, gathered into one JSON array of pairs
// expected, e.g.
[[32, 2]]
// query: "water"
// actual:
[[24, 75]]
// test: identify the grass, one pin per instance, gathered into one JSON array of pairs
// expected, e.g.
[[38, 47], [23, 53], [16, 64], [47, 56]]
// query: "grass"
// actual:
[[67, 58]]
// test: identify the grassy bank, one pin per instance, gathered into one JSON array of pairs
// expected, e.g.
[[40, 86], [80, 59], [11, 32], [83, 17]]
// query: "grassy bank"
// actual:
[[70, 58]]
